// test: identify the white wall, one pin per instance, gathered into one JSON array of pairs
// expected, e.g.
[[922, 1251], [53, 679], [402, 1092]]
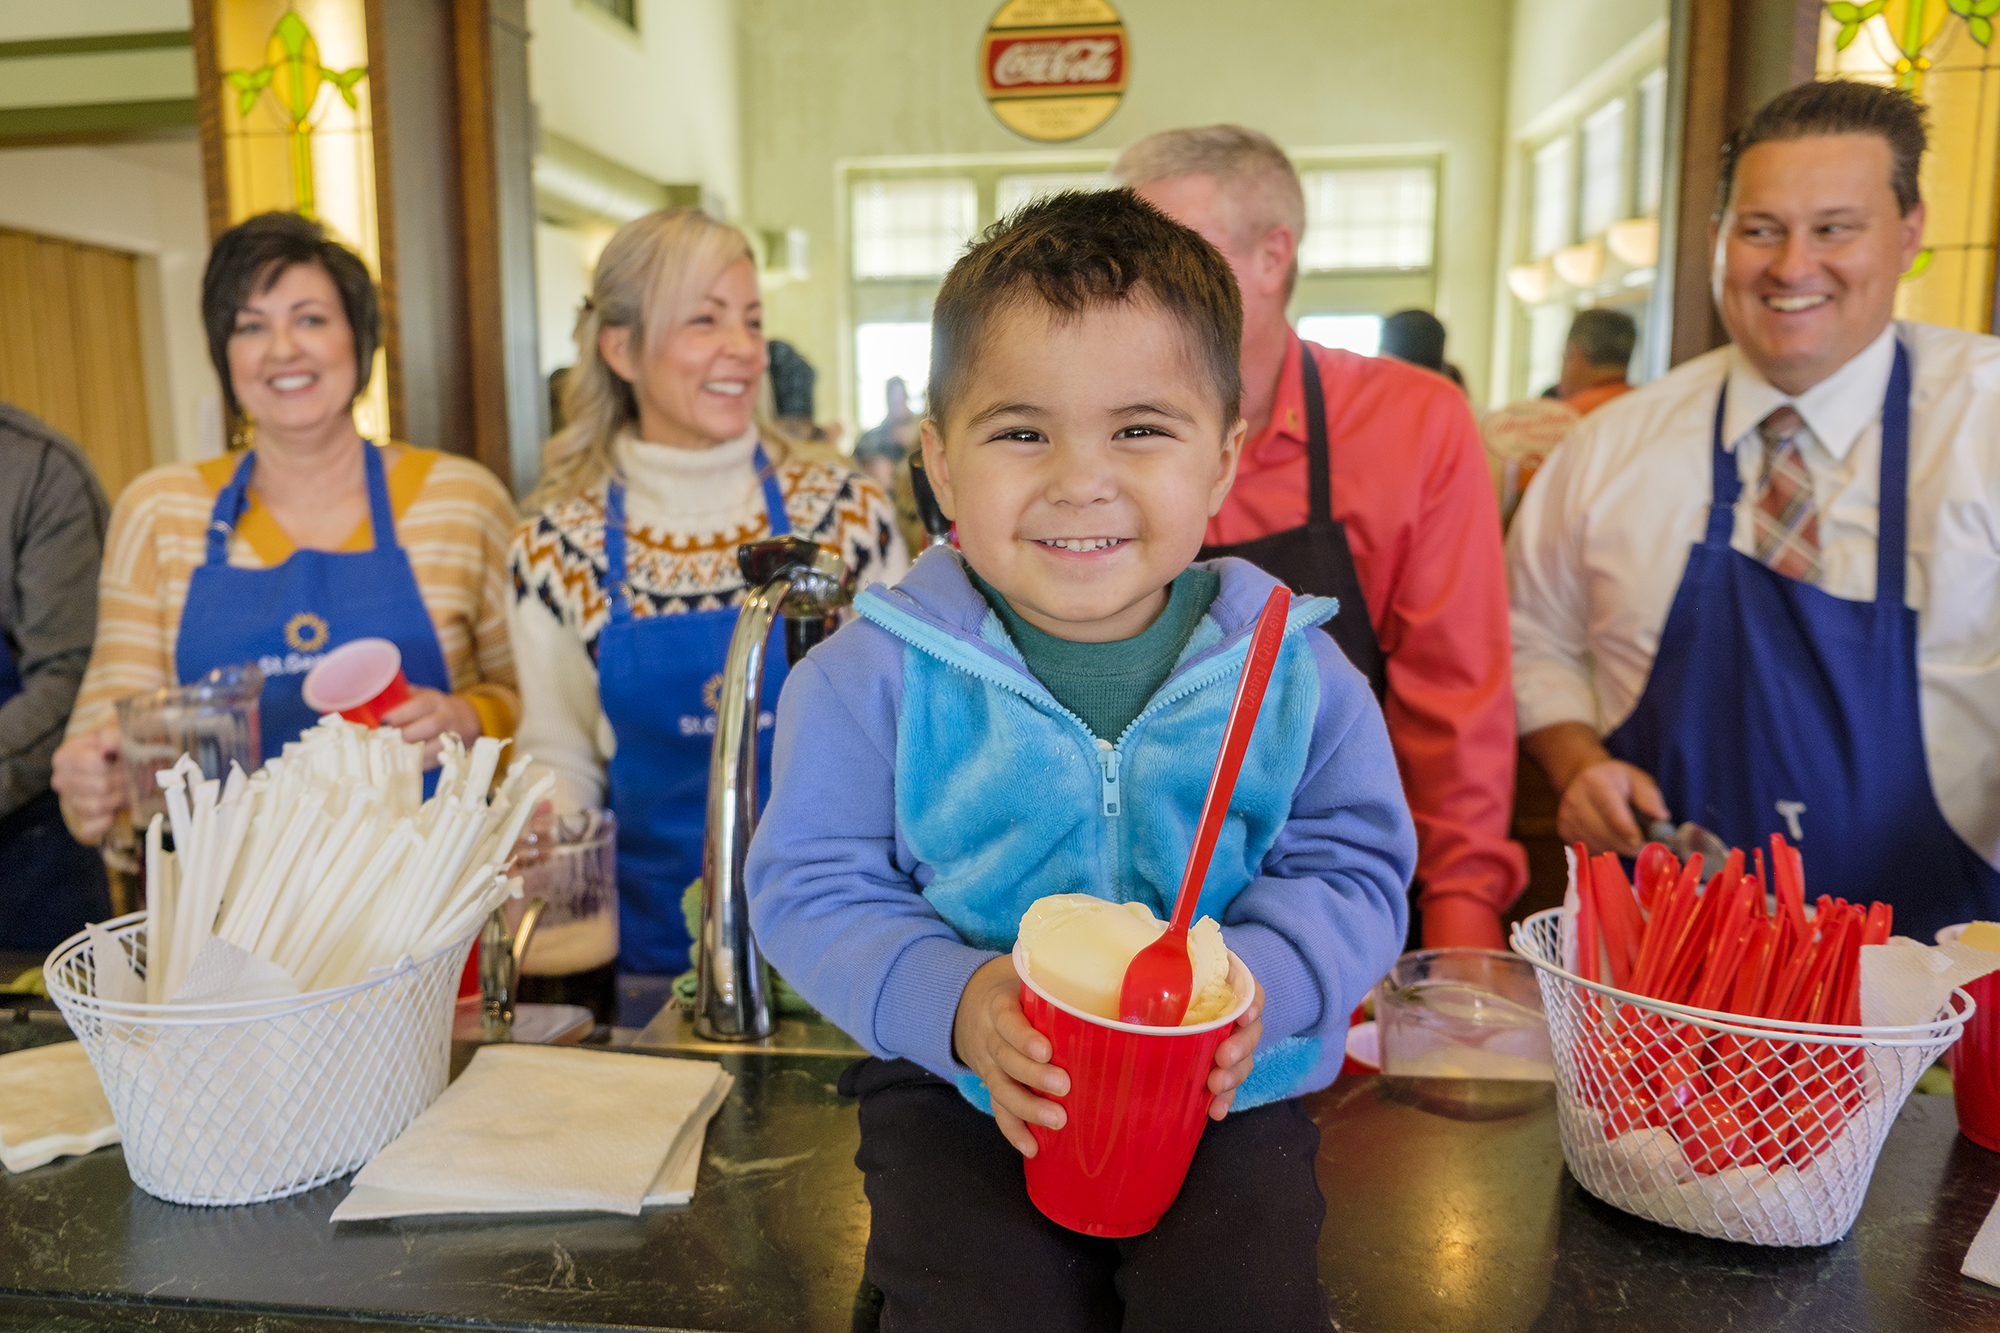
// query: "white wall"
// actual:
[[824, 81], [663, 103], [145, 199], [34, 20], [1558, 44]]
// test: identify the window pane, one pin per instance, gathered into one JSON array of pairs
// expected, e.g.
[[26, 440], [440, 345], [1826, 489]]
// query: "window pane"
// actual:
[[1604, 167], [1549, 229], [912, 228], [1369, 217], [1012, 192], [886, 351], [1352, 333], [1548, 334], [1652, 140]]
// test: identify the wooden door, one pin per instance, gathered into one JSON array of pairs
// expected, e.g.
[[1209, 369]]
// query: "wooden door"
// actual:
[[70, 348]]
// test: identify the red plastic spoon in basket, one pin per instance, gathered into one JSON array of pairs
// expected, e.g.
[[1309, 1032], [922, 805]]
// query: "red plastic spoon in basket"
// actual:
[[1159, 980]]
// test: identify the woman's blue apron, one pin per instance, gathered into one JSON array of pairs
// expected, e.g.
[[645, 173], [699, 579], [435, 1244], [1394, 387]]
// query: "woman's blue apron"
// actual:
[[285, 619], [658, 679], [1773, 707], [51, 885]]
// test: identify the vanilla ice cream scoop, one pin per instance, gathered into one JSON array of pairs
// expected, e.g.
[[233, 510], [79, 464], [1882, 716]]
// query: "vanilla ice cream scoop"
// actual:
[[1077, 948]]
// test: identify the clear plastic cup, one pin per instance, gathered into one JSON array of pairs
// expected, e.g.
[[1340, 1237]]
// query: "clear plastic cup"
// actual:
[[572, 863], [1463, 1013], [213, 721], [1137, 1103]]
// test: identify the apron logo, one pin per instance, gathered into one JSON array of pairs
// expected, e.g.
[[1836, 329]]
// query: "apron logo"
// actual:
[[1790, 812], [306, 632], [711, 699]]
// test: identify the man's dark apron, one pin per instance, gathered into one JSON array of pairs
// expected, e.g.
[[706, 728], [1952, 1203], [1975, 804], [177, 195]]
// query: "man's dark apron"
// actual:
[[1317, 560]]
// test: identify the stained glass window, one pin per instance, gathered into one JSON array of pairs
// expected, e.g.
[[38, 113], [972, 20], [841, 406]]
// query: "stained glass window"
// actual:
[[1958, 80]]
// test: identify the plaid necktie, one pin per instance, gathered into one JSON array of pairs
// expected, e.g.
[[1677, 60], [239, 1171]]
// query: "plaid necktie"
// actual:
[[1787, 527]]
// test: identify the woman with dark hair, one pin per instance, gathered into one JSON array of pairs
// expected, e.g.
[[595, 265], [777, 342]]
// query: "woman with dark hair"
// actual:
[[309, 539]]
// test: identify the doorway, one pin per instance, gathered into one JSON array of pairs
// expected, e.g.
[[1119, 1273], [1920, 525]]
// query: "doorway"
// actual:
[[70, 348]]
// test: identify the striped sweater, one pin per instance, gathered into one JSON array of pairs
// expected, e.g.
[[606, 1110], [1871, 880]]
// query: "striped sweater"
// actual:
[[453, 518]]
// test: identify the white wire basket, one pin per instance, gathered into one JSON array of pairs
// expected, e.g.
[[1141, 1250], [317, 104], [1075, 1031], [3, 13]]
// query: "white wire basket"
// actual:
[[1738, 1128], [244, 1102]]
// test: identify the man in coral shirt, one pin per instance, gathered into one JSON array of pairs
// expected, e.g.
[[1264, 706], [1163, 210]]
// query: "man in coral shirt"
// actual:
[[1595, 359], [1408, 539]]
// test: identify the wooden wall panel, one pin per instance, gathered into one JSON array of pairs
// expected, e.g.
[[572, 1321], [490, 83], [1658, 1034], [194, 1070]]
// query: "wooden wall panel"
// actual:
[[70, 349]]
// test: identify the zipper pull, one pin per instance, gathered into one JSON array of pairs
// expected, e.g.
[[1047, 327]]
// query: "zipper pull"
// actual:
[[1107, 758]]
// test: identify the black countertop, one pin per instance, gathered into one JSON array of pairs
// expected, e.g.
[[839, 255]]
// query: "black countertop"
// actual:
[[1434, 1223]]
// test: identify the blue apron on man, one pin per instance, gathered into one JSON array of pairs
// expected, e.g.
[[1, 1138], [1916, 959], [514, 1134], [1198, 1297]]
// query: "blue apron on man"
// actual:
[[658, 679], [288, 617], [51, 885], [1773, 707]]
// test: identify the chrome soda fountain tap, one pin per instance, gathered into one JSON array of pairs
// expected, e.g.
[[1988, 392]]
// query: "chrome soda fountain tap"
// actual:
[[807, 584]]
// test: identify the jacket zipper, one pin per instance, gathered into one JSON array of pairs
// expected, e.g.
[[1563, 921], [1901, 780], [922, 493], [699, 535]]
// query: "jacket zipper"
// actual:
[[1109, 754]]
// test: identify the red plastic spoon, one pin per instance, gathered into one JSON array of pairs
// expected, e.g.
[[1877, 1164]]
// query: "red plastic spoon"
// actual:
[[1159, 979]]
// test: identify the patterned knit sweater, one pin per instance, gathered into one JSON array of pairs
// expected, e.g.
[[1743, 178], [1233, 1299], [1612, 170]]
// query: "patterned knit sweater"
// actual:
[[452, 518], [686, 512]]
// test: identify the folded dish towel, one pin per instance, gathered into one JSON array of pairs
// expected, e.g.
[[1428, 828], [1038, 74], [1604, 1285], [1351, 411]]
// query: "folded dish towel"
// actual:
[[544, 1129], [51, 1105]]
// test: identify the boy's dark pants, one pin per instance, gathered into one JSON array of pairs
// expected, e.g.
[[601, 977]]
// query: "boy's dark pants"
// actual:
[[955, 1242]]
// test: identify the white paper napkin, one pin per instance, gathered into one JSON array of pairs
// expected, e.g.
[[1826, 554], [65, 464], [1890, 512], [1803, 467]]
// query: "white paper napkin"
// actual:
[[1904, 982], [51, 1105], [1982, 1261], [536, 1129], [116, 979], [223, 973]]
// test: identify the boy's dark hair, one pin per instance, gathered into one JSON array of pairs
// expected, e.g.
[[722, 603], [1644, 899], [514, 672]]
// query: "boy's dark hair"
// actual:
[[1605, 337], [1073, 251], [1836, 106], [249, 259]]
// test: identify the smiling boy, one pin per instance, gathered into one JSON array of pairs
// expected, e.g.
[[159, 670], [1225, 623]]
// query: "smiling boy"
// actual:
[[1036, 713]]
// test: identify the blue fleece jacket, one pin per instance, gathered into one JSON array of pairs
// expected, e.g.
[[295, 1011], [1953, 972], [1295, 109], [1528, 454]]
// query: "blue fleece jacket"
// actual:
[[927, 788]]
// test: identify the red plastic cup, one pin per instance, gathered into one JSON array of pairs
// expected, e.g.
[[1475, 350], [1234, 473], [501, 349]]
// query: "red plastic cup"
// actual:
[[361, 681], [1138, 1100], [1974, 1060]]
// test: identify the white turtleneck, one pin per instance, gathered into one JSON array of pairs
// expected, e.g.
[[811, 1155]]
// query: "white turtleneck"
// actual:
[[692, 498]]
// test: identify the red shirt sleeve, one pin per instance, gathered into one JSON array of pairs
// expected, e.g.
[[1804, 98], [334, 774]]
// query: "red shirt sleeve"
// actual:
[[1411, 484]]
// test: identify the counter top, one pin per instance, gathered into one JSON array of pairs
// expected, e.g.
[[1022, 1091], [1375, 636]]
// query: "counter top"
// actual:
[[1434, 1223]]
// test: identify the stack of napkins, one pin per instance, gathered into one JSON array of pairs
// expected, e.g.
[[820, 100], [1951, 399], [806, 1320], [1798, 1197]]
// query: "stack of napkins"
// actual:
[[51, 1105], [547, 1129]]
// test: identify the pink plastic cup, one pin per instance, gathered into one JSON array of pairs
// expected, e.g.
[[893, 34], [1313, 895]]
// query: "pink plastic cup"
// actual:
[[362, 681], [1974, 1060], [1138, 1100]]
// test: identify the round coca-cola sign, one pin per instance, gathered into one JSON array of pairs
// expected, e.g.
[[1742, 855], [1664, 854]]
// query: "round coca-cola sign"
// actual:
[[1054, 69]]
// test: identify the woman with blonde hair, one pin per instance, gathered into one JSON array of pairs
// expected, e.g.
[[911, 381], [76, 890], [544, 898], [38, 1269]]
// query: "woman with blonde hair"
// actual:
[[626, 587]]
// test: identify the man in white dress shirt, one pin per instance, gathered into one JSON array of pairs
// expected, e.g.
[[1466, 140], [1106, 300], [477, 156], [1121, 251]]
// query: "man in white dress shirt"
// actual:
[[1788, 664]]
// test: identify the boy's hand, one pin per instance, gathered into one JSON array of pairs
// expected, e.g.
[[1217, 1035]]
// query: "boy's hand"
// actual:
[[1233, 1057], [991, 1035]]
